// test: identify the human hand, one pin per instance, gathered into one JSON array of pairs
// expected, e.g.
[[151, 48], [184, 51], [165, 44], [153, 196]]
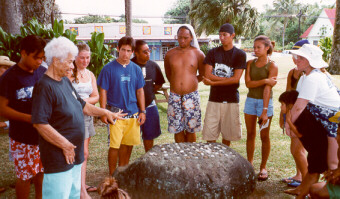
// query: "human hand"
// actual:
[[141, 118], [332, 176], [207, 81], [68, 151], [3, 125], [111, 116], [263, 119], [104, 119], [271, 81]]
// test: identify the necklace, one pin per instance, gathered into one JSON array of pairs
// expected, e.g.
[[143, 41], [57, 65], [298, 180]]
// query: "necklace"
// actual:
[[82, 73]]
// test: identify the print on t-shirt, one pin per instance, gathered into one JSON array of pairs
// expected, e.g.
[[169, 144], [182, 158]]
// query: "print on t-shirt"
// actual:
[[24, 94], [222, 70], [125, 78]]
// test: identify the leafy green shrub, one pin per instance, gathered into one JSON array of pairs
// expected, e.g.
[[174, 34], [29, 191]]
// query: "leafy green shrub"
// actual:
[[206, 47], [325, 45], [10, 44], [100, 53]]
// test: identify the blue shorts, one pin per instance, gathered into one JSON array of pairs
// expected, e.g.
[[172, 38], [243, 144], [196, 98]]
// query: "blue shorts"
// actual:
[[151, 129], [62, 185], [255, 107], [184, 113]]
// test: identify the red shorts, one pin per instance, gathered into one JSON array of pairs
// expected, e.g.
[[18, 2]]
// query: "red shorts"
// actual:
[[26, 159]]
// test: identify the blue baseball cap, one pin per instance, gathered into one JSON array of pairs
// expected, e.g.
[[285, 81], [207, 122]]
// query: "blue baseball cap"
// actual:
[[299, 44]]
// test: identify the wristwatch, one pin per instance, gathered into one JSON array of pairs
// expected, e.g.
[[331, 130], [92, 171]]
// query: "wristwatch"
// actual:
[[143, 111]]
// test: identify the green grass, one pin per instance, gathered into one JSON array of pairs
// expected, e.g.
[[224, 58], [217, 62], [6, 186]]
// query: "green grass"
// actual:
[[280, 163]]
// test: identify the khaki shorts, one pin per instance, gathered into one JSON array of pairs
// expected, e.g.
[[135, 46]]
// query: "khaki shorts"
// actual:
[[125, 132], [222, 118]]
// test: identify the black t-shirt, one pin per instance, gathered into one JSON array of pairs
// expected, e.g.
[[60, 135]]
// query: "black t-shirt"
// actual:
[[57, 103], [16, 85], [224, 63], [153, 76]]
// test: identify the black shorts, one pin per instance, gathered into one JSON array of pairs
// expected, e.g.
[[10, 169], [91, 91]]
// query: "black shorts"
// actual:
[[314, 139]]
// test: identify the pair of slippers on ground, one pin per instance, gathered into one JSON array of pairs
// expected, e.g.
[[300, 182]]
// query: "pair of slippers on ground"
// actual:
[[91, 188], [291, 182]]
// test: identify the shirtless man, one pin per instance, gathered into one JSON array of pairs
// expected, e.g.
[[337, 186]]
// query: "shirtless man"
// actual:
[[181, 65]]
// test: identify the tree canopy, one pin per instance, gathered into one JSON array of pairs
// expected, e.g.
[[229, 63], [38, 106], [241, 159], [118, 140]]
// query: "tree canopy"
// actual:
[[103, 19], [178, 13], [209, 15]]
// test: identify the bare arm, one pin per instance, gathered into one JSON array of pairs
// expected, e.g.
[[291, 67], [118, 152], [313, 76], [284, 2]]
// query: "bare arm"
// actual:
[[289, 80], [141, 105], [55, 138], [167, 67], [200, 65], [12, 114], [94, 97], [298, 107], [208, 73], [273, 71], [235, 79], [253, 84], [292, 127], [102, 102]]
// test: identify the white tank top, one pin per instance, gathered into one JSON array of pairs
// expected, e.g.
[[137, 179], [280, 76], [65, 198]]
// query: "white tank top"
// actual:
[[84, 89]]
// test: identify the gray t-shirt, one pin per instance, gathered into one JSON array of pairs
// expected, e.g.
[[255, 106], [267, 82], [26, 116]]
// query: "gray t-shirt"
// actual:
[[57, 103]]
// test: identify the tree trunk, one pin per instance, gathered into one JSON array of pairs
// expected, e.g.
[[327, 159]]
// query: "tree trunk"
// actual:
[[11, 16], [128, 17], [334, 65], [192, 21]]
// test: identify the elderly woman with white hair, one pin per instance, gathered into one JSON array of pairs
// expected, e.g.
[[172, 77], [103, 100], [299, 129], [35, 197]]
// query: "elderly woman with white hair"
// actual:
[[57, 114], [318, 100]]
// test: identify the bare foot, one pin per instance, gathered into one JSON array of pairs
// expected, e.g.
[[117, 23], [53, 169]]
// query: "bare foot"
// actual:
[[294, 192]]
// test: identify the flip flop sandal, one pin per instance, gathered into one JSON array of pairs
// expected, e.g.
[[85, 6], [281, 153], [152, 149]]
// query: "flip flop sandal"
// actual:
[[287, 180], [294, 183], [91, 189]]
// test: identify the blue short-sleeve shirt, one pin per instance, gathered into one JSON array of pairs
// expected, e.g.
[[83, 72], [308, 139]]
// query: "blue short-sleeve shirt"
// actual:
[[121, 84]]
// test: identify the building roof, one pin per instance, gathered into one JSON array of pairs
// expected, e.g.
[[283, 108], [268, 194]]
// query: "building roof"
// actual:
[[306, 33], [331, 15]]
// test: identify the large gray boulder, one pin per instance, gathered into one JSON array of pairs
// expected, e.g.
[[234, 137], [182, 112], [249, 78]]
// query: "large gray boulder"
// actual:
[[188, 171]]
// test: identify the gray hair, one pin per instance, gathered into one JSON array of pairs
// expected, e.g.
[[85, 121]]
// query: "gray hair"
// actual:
[[59, 48]]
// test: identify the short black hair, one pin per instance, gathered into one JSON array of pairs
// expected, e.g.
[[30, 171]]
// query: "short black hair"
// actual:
[[139, 44], [127, 41], [184, 27], [32, 44], [289, 97]]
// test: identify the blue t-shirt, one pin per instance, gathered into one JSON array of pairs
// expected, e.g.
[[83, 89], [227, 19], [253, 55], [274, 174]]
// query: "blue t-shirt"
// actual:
[[121, 85], [16, 85]]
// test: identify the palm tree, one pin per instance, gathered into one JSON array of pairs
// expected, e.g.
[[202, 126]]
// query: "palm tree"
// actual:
[[128, 17], [209, 15], [335, 58], [286, 9]]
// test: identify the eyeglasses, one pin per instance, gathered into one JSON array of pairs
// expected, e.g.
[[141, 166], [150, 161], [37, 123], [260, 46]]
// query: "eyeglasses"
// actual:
[[296, 57]]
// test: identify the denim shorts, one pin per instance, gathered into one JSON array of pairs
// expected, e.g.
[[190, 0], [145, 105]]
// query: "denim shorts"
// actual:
[[255, 107]]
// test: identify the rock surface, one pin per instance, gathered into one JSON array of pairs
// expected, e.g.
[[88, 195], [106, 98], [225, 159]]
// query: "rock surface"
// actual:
[[188, 170]]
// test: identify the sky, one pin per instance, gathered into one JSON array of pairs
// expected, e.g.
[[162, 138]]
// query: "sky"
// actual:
[[150, 8]]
